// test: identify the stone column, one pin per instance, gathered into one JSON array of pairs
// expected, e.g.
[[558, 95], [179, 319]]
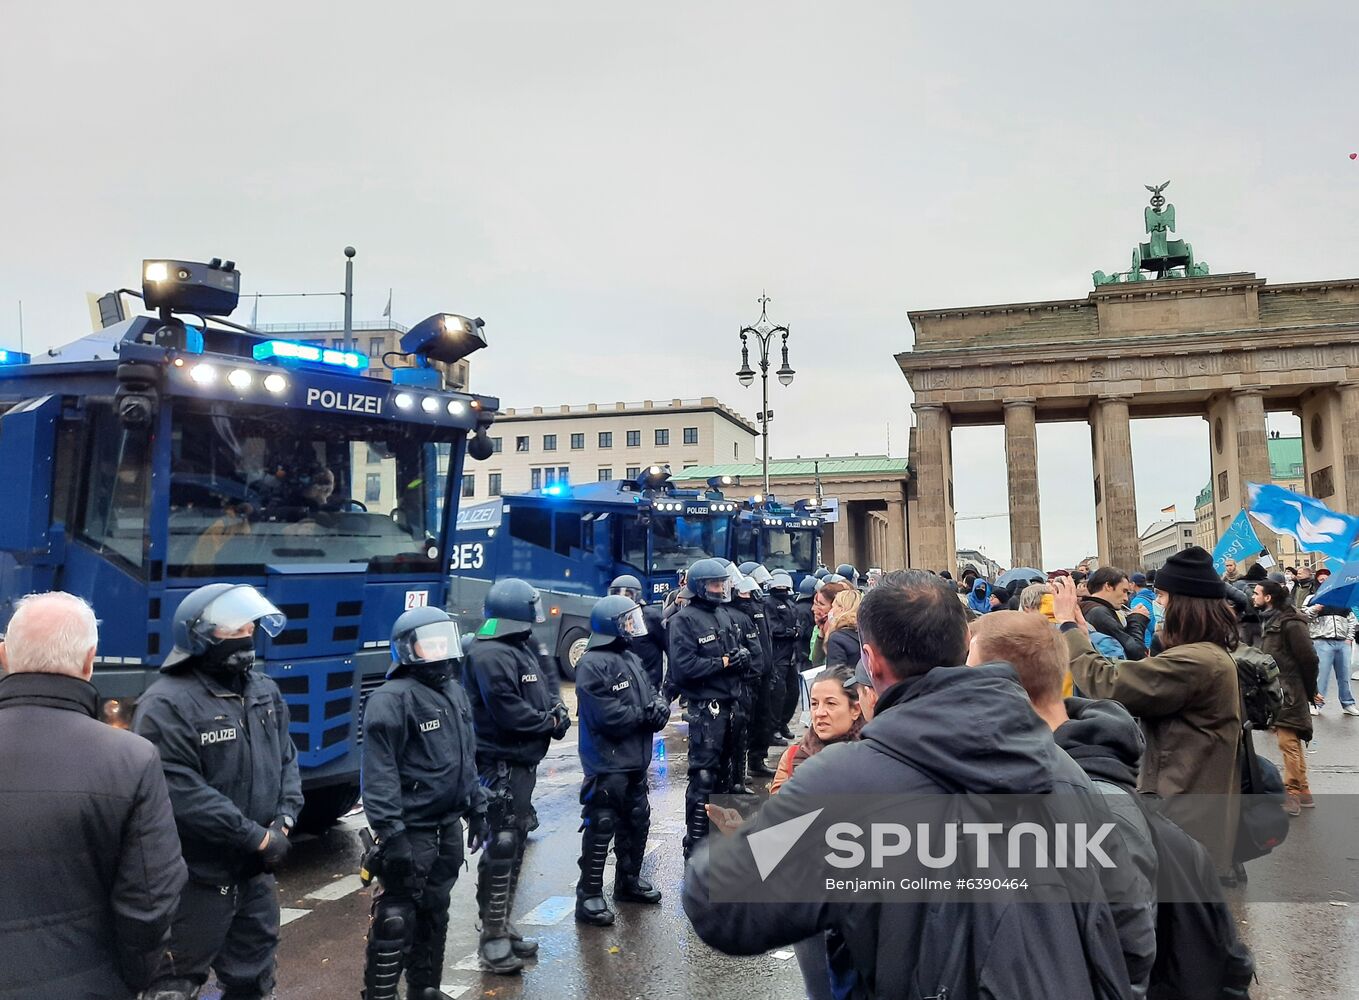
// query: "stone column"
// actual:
[[1115, 492], [842, 538], [894, 556], [1021, 463], [1252, 439], [934, 489], [1349, 415]]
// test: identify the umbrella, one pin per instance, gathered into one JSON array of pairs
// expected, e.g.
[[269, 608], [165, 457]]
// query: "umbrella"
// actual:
[[1022, 574]]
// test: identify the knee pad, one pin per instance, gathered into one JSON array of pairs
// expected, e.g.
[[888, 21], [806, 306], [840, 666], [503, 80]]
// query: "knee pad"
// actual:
[[639, 814], [393, 922], [704, 779], [602, 822], [504, 845]]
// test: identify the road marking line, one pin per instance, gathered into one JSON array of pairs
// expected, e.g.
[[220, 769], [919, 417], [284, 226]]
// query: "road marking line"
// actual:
[[783, 956], [287, 915], [472, 963], [357, 821], [550, 911], [453, 991], [651, 847], [338, 889]]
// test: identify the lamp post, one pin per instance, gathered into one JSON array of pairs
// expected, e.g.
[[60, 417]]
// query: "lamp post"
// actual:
[[763, 332]]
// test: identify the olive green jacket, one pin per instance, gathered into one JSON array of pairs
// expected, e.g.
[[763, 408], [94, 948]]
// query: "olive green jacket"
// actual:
[[1189, 707]]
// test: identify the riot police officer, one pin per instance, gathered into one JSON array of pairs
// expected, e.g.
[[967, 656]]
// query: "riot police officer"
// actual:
[[619, 710], [419, 781], [746, 605], [849, 573], [802, 657], [222, 732], [516, 712], [707, 654], [649, 647], [781, 615]]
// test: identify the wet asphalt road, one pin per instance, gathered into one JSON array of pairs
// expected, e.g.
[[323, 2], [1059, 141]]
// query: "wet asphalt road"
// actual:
[[1304, 950]]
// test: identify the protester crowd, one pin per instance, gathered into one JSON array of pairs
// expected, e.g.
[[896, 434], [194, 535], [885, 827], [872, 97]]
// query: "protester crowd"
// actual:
[[1139, 692]]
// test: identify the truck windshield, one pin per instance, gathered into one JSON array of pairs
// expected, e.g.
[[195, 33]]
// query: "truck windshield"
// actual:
[[792, 549], [676, 542], [248, 490]]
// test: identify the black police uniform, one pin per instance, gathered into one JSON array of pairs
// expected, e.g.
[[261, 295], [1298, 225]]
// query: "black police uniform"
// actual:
[[743, 611], [700, 635], [419, 781], [231, 769], [650, 648], [619, 712], [802, 657], [781, 614], [512, 711]]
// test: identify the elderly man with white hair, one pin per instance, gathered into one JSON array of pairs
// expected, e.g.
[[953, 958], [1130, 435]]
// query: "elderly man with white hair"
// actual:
[[92, 865]]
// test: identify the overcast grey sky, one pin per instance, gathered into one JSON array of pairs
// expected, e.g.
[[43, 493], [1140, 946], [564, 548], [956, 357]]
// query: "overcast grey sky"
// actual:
[[611, 185]]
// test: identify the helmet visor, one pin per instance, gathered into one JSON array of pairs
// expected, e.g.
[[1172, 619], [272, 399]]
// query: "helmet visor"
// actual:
[[435, 642], [632, 623], [538, 616], [631, 593], [717, 590], [237, 608]]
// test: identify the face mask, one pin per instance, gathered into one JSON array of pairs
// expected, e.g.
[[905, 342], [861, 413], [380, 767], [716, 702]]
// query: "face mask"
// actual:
[[230, 656], [435, 674]]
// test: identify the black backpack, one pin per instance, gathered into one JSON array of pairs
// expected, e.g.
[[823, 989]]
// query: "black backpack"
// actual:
[[1257, 675], [1199, 955], [1263, 825]]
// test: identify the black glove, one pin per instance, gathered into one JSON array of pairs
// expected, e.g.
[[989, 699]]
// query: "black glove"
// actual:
[[739, 658], [398, 863], [563, 720], [274, 849], [657, 714], [477, 831]]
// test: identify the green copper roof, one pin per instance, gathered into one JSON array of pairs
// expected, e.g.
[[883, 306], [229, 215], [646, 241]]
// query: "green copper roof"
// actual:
[[856, 465], [1285, 462]]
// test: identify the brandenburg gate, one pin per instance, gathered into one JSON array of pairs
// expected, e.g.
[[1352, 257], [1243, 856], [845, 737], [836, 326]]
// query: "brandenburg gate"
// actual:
[[1165, 338]]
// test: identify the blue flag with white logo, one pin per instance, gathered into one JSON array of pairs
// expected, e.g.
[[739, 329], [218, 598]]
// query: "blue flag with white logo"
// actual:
[[1238, 542], [1342, 589], [1316, 527]]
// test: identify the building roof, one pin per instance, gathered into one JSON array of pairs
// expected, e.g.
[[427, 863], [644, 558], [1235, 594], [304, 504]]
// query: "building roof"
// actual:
[[1205, 497], [620, 408], [831, 466], [1159, 526]]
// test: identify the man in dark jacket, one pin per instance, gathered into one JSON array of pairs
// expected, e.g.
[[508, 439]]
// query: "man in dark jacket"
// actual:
[[619, 710], [1110, 590], [747, 610], [94, 868], [516, 714], [1286, 636], [708, 653], [222, 732], [937, 729], [802, 656], [781, 614], [1104, 741], [419, 781]]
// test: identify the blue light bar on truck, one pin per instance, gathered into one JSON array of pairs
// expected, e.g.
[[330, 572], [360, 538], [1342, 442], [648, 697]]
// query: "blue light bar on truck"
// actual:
[[288, 350], [14, 358]]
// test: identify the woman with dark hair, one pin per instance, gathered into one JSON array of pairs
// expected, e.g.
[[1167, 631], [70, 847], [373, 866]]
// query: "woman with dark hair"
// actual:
[[1285, 635], [1186, 698]]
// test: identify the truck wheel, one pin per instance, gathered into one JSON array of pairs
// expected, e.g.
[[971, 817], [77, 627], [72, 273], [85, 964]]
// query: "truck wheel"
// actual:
[[321, 807], [570, 648]]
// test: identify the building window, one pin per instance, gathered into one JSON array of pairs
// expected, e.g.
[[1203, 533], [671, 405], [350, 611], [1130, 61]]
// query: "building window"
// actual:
[[634, 471], [605, 474], [469, 484], [691, 435], [535, 479], [634, 439], [662, 436], [577, 442], [374, 456], [735, 450], [549, 477], [497, 445], [375, 347], [606, 439], [549, 442], [521, 443], [493, 484], [563, 473], [372, 487]]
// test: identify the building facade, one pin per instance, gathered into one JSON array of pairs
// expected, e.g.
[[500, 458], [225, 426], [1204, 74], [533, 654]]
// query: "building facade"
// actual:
[[869, 526], [1163, 539], [543, 446], [1286, 469]]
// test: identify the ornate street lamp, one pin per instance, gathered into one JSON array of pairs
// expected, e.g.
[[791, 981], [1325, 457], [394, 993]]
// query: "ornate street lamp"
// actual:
[[764, 331]]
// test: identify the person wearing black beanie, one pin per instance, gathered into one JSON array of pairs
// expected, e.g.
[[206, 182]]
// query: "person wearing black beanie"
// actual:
[[1185, 696], [1248, 615]]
